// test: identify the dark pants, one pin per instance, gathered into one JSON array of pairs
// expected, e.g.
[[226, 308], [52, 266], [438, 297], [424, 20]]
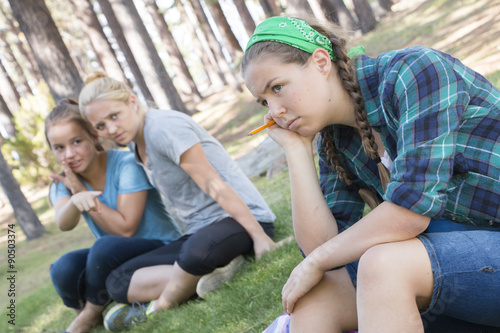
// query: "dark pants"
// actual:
[[198, 254], [80, 275]]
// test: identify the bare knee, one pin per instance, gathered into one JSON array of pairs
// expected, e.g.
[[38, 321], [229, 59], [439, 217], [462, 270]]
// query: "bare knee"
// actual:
[[400, 269], [329, 307], [376, 265]]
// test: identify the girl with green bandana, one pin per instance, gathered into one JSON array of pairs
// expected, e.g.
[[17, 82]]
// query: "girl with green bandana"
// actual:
[[415, 134]]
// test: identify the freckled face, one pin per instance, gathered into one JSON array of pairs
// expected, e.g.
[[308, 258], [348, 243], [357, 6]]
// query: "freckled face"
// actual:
[[72, 146], [288, 90], [115, 120], [303, 99]]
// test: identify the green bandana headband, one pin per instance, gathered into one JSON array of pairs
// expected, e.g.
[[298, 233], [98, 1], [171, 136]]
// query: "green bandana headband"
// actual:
[[296, 33]]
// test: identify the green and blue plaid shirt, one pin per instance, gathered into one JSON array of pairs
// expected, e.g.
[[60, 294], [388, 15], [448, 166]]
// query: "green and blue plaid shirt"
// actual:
[[440, 124]]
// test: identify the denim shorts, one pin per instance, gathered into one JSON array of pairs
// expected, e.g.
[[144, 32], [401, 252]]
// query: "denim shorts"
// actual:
[[466, 268]]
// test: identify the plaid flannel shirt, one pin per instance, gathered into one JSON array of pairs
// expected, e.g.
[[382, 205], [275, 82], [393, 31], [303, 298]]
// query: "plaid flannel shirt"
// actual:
[[440, 124]]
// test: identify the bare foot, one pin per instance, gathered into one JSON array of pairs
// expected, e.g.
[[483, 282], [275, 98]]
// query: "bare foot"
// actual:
[[88, 318]]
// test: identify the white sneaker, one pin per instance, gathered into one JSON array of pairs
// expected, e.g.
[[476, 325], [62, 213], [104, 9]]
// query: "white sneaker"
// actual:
[[214, 280]]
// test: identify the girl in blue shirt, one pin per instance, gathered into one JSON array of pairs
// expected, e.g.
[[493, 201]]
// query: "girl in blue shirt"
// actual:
[[414, 132], [123, 211]]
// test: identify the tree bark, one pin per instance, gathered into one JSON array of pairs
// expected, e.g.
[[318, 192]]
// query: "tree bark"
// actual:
[[343, 16], [319, 10], [159, 82], [49, 50], [98, 40], [298, 7], [382, 7], [9, 90], [205, 54], [270, 8], [385, 4], [24, 214], [186, 81], [330, 11], [119, 36], [19, 39], [214, 45], [6, 119], [23, 85], [230, 40], [245, 16], [366, 17]]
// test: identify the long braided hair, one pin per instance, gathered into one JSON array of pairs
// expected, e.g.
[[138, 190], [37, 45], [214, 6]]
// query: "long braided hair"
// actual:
[[347, 74]]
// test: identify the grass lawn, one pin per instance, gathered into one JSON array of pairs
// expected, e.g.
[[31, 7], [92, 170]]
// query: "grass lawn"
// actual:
[[246, 304], [467, 29]]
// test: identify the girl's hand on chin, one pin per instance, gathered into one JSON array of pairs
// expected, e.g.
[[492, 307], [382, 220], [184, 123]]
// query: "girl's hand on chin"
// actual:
[[286, 138], [70, 180]]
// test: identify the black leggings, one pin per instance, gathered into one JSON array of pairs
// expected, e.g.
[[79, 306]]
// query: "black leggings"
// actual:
[[198, 254]]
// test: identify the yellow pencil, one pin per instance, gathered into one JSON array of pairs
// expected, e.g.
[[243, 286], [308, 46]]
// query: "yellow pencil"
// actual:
[[257, 130]]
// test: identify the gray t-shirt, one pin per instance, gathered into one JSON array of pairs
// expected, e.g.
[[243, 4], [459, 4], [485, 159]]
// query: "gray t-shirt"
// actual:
[[168, 134]]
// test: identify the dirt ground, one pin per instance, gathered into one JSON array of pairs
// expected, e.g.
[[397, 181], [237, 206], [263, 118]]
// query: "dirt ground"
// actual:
[[472, 34], [470, 30]]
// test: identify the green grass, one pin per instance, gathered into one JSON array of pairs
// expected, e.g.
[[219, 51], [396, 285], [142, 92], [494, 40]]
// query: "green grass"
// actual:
[[494, 78], [248, 303]]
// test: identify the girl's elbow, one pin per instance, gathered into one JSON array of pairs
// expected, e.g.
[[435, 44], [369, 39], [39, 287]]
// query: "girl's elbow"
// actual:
[[64, 227], [129, 230], [65, 224], [128, 233]]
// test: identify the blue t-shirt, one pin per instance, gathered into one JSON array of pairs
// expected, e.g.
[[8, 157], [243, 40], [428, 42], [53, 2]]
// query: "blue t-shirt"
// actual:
[[123, 176]]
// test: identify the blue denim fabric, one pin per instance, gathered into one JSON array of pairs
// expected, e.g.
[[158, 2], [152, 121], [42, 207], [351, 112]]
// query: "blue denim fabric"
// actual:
[[466, 266], [80, 275]]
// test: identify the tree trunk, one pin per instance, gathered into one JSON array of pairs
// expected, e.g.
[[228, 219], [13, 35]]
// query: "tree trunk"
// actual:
[[329, 10], [245, 16], [366, 17], [119, 36], [6, 120], [159, 82], [206, 56], [270, 8], [319, 11], [228, 37], [51, 55], [382, 7], [385, 4], [26, 55], [25, 216], [218, 80], [343, 16], [100, 44], [186, 81], [23, 85], [9, 90], [214, 45], [298, 8]]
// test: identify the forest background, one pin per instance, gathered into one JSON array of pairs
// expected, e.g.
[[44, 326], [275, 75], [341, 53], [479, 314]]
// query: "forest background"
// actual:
[[182, 55]]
